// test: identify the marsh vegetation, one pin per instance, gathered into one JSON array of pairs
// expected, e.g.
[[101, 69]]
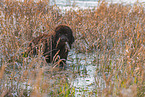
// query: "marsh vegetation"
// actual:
[[109, 39]]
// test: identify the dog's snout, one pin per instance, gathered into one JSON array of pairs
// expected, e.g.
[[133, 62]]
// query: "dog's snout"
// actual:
[[63, 38]]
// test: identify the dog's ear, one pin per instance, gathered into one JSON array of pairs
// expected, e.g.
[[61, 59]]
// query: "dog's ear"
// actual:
[[72, 39], [55, 38]]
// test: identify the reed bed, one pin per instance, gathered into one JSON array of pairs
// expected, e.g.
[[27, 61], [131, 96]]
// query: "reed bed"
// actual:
[[112, 34]]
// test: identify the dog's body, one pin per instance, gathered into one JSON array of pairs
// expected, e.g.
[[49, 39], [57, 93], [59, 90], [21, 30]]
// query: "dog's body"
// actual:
[[52, 45]]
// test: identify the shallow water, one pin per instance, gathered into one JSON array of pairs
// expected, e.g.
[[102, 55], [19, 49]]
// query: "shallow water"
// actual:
[[85, 80], [84, 4], [88, 3]]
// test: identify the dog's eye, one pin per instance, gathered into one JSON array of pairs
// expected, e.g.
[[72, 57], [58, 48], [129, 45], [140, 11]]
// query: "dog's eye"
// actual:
[[59, 34]]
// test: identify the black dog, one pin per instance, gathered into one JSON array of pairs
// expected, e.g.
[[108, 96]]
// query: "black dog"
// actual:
[[53, 45]]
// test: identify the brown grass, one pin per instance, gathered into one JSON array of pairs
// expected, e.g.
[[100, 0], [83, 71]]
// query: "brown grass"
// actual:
[[114, 32]]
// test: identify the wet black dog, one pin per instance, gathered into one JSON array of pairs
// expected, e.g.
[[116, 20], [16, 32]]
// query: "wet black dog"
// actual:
[[53, 45]]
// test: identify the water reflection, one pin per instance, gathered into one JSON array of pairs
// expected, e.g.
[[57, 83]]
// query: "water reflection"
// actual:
[[85, 81]]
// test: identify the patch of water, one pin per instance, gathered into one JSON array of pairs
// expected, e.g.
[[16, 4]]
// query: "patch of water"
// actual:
[[88, 3], [84, 4], [66, 5], [85, 81]]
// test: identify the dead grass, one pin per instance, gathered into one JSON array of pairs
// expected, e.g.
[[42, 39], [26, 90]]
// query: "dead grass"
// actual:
[[115, 32]]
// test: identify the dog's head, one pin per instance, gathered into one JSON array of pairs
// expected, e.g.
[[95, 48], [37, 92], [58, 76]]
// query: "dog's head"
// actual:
[[63, 36]]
